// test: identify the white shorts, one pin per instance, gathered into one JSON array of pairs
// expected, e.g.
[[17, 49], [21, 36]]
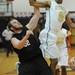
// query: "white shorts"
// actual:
[[52, 52]]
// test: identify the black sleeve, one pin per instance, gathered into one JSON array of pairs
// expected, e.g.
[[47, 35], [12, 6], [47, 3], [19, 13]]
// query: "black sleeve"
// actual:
[[65, 26]]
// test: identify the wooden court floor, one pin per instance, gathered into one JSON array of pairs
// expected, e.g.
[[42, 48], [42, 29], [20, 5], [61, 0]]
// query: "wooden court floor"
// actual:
[[8, 65]]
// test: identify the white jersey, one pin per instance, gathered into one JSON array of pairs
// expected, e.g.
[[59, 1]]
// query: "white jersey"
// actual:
[[55, 16]]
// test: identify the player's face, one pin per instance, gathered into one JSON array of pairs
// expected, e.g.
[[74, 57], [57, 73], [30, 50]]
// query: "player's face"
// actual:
[[59, 1], [16, 25]]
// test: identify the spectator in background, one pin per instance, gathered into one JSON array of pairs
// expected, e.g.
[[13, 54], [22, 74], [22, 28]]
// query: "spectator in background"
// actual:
[[6, 36]]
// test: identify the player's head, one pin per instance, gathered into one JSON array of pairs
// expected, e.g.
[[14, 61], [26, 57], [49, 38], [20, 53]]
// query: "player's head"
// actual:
[[14, 25], [59, 1]]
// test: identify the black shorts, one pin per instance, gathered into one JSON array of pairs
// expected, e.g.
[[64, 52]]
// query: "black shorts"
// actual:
[[36, 67]]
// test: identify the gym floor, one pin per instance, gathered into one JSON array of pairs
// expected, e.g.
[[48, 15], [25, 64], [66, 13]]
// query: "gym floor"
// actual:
[[8, 65]]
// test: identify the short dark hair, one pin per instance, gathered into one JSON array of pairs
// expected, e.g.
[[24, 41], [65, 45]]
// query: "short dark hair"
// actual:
[[59, 1]]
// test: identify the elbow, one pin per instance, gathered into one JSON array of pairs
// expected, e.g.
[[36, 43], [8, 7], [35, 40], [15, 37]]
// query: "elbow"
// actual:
[[19, 47]]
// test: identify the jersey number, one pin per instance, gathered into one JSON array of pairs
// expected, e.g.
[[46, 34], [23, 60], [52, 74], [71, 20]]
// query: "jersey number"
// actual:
[[27, 43]]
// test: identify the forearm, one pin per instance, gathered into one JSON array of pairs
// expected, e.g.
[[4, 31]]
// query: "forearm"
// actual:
[[23, 42], [34, 20], [19, 44]]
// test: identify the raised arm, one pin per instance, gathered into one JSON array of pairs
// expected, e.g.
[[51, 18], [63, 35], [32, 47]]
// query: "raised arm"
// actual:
[[34, 20]]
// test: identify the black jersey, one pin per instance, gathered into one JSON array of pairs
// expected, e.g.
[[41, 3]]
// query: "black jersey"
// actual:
[[31, 50]]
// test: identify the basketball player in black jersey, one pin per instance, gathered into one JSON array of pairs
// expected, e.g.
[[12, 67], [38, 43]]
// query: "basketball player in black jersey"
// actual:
[[27, 48]]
